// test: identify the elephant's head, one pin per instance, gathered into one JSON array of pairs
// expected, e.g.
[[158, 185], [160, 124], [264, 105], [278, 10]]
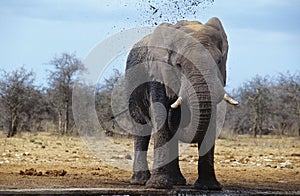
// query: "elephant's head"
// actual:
[[189, 48], [213, 37], [189, 58]]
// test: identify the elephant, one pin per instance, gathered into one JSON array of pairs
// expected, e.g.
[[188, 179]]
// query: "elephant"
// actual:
[[183, 69]]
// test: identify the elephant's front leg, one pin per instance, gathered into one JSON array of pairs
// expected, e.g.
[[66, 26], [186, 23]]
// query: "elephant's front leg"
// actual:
[[160, 177], [176, 176], [141, 173], [206, 172], [173, 122], [207, 179]]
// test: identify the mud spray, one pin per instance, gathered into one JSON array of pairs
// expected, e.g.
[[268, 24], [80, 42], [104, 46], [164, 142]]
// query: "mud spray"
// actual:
[[154, 12]]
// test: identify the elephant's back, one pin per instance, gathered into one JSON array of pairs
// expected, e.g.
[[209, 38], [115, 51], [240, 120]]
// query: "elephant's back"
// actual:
[[205, 34], [138, 53]]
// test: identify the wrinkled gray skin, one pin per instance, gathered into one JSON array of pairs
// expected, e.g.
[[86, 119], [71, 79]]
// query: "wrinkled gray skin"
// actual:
[[154, 52]]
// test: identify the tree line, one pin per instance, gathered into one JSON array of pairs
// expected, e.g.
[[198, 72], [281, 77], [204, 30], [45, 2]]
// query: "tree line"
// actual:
[[268, 105], [25, 106]]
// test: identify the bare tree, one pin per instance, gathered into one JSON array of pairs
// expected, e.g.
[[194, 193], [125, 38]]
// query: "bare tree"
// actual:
[[16, 91], [287, 106], [61, 81], [38, 111], [259, 99], [267, 105], [103, 101]]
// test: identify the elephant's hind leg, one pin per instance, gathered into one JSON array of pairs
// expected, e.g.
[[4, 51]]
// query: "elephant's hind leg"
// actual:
[[141, 173]]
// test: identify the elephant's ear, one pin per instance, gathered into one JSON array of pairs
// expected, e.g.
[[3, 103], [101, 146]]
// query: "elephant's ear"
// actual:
[[216, 24], [159, 58], [223, 44]]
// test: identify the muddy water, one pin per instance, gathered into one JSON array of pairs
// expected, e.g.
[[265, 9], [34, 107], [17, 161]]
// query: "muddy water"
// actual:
[[112, 191]]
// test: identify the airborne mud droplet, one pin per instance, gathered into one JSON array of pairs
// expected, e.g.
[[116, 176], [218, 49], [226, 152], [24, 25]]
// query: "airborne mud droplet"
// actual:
[[154, 12]]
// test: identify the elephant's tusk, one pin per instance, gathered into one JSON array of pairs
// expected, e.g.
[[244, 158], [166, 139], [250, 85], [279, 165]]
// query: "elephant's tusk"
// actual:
[[230, 100], [177, 103]]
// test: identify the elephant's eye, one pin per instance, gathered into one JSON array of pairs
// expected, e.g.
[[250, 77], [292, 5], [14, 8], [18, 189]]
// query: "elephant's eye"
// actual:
[[178, 65]]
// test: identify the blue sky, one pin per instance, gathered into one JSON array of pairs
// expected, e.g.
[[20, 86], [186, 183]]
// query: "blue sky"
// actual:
[[264, 35]]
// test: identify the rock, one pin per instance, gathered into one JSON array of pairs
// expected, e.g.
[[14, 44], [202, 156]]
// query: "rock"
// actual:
[[117, 157], [7, 154], [287, 164], [56, 172], [26, 154], [31, 172], [229, 157], [193, 145], [267, 160], [282, 181], [244, 160], [95, 173], [6, 160], [18, 155], [128, 156], [34, 172], [183, 159], [295, 154]]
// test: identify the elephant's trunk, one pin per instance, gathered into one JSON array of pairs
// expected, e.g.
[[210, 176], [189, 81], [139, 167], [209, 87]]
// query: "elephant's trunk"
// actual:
[[198, 101], [195, 105]]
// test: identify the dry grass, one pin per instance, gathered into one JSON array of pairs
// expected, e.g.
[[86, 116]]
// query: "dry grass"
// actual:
[[241, 162]]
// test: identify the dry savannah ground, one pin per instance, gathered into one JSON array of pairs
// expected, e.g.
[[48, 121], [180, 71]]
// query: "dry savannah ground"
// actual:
[[46, 160]]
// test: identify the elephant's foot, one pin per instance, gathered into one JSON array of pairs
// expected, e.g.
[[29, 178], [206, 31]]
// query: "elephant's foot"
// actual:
[[140, 177], [208, 184], [178, 179], [159, 182]]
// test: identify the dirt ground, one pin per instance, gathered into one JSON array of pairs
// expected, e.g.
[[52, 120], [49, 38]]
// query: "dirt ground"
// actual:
[[46, 160]]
